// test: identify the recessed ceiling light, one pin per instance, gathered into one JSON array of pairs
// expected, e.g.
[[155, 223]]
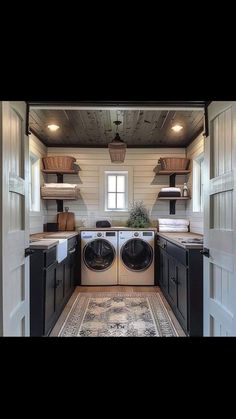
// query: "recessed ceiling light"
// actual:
[[53, 127], [177, 128]]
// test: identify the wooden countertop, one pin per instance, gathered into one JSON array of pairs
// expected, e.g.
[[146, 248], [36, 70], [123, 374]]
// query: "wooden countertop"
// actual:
[[44, 244], [54, 234], [46, 240], [176, 238]]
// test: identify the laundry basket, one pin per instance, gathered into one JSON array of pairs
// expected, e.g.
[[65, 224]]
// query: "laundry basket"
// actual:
[[58, 162], [174, 163]]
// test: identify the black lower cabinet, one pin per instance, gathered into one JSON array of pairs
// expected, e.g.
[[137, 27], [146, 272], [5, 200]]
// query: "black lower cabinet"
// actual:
[[50, 306], [182, 295], [172, 288], [163, 263], [180, 276], [51, 285]]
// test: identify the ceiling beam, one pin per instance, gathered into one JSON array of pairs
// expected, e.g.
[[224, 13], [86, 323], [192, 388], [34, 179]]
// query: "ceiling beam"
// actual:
[[121, 105]]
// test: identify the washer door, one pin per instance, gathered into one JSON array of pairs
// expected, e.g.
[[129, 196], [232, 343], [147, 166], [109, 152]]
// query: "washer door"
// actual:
[[99, 255], [137, 255]]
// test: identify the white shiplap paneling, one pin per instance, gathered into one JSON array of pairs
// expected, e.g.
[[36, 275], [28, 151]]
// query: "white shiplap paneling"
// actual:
[[146, 184]]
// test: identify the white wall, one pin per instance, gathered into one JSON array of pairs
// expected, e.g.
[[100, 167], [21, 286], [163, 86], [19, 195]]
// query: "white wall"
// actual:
[[146, 183], [37, 218], [196, 218]]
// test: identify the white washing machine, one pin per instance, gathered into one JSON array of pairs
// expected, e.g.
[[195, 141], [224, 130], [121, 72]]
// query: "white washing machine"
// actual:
[[136, 257], [99, 251]]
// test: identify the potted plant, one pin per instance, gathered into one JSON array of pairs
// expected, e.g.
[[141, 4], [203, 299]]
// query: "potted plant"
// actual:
[[138, 216]]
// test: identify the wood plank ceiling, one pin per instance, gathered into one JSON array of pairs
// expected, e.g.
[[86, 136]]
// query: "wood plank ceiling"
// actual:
[[95, 128]]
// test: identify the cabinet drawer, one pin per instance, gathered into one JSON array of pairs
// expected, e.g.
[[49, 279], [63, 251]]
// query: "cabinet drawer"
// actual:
[[178, 253], [72, 243], [50, 256], [161, 242]]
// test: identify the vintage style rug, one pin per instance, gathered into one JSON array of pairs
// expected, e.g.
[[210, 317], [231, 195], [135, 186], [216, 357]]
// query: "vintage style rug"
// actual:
[[118, 314]]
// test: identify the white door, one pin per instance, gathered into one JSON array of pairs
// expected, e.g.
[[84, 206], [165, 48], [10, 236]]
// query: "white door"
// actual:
[[15, 213], [220, 221]]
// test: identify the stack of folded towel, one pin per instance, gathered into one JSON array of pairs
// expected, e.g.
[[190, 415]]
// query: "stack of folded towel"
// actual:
[[59, 191], [174, 225], [171, 191]]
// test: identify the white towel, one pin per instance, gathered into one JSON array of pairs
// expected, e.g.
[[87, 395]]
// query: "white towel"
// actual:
[[61, 250], [169, 229], [170, 189], [60, 185], [173, 221]]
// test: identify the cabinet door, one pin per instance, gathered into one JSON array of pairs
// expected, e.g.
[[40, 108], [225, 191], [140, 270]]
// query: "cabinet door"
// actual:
[[182, 293], [72, 255], [163, 270], [172, 279], [50, 307], [67, 285], [59, 286]]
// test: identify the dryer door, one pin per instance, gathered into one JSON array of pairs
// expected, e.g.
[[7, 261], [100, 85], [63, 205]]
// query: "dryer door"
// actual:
[[137, 255], [99, 255]]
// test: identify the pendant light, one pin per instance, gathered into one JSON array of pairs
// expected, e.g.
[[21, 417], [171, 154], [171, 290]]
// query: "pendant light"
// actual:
[[117, 148]]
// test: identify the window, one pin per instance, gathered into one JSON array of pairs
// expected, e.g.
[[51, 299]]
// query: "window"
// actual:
[[34, 183], [116, 191], [198, 184]]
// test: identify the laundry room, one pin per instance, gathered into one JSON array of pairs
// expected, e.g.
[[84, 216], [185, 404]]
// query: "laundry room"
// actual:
[[116, 220]]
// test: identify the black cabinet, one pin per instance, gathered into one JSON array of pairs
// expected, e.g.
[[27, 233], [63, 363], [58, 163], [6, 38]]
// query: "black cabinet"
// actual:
[[181, 287], [51, 285], [180, 276], [50, 306]]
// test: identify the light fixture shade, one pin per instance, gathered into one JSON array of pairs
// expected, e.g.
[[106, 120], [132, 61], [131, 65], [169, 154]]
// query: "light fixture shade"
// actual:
[[117, 150]]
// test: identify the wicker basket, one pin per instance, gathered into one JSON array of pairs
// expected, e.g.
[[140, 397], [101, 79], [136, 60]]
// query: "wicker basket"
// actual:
[[174, 163], [58, 162]]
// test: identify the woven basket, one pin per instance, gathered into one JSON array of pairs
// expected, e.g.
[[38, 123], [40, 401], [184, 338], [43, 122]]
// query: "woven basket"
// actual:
[[58, 162], [174, 163]]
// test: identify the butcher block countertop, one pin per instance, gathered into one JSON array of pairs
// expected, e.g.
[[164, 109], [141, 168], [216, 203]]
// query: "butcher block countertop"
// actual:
[[177, 238], [46, 240], [43, 244]]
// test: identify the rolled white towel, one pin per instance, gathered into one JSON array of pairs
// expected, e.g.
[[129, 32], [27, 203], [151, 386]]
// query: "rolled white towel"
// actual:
[[171, 189], [173, 221], [60, 185], [169, 229]]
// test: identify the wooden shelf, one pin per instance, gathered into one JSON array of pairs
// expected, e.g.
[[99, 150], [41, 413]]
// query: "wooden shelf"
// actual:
[[177, 172], [173, 198], [60, 172]]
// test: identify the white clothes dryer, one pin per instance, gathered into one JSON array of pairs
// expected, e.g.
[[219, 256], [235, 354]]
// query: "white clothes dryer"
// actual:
[[136, 257]]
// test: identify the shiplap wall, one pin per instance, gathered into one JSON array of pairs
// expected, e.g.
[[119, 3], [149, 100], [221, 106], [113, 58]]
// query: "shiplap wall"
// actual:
[[37, 218], [196, 218], [146, 184]]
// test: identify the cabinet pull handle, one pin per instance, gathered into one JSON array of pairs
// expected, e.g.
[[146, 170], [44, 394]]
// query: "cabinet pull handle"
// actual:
[[72, 251], [174, 280]]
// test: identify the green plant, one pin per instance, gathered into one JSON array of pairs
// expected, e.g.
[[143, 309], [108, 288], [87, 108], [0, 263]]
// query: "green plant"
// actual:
[[138, 216]]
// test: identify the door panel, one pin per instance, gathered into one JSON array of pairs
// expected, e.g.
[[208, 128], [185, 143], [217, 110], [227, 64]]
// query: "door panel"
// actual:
[[182, 292], [219, 221], [172, 280], [50, 306], [15, 210]]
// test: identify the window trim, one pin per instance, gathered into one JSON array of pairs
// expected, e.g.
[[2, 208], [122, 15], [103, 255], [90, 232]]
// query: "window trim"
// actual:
[[198, 180], [104, 170], [126, 192], [34, 162]]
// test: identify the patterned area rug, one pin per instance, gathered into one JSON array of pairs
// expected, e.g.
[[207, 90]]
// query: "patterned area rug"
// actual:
[[118, 314]]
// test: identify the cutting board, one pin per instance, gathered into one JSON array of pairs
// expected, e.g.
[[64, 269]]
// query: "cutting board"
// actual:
[[66, 221]]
